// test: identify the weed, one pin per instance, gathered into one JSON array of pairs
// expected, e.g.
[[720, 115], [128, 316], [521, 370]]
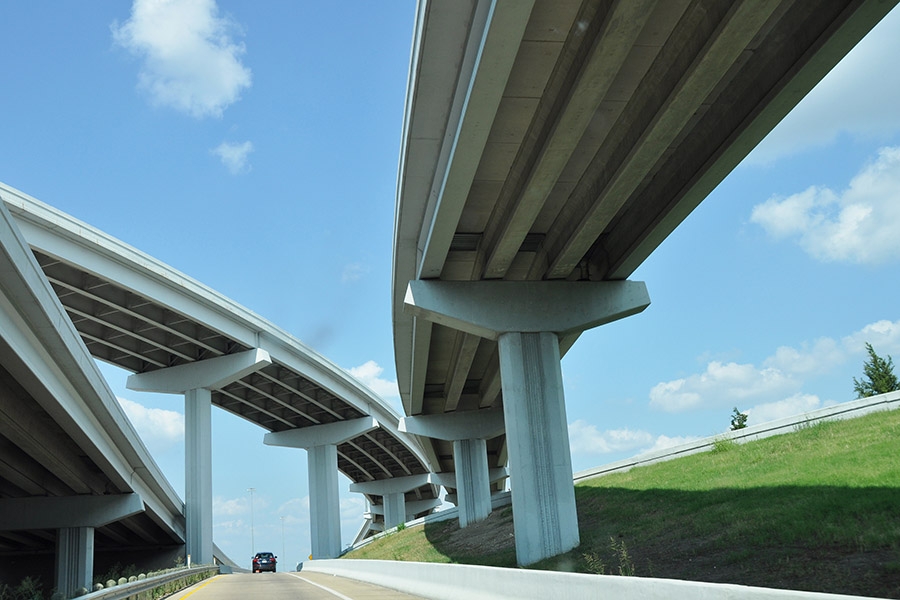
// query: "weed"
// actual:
[[593, 563], [626, 565], [723, 445]]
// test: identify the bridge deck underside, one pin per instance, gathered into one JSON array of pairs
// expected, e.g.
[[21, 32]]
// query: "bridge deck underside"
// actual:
[[617, 118]]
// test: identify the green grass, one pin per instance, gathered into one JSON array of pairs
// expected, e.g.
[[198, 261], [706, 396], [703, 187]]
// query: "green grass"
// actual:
[[817, 509]]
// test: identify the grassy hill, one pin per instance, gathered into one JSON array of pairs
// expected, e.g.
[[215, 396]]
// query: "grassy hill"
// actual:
[[817, 509]]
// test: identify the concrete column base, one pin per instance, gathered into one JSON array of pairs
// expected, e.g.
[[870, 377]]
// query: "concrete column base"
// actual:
[[472, 480], [540, 463], [394, 509], [198, 475], [324, 501], [74, 560]]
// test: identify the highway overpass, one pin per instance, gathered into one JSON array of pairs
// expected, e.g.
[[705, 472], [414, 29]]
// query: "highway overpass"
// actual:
[[74, 294], [549, 147]]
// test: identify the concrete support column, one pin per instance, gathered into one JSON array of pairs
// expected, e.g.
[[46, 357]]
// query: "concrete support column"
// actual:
[[324, 501], [198, 475], [469, 432], [472, 480], [527, 319], [196, 380], [394, 509], [546, 523], [74, 560], [321, 443]]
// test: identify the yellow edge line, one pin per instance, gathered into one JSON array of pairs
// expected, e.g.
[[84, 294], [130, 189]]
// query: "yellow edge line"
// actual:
[[201, 587]]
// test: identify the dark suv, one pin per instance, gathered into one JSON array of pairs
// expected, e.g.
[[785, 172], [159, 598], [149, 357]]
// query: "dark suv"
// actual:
[[264, 561]]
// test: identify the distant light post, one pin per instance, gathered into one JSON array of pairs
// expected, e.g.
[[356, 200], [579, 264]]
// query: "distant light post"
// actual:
[[283, 553], [252, 542]]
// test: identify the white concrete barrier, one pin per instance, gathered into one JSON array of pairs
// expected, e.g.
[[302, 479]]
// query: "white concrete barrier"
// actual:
[[452, 582]]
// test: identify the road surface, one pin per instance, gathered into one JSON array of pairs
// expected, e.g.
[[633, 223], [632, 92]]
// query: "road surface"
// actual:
[[286, 586]]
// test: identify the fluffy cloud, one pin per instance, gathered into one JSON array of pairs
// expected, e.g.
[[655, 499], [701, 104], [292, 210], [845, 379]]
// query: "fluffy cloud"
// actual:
[[858, 225], [780, 377], [770, 411], [234, 156], [159, 429], [722, 384], [230, 507], [369, 374], [190, 61], [585, 438], [856, 98]]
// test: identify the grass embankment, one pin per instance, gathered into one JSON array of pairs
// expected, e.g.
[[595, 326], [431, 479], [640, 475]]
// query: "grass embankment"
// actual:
[[817, 509]]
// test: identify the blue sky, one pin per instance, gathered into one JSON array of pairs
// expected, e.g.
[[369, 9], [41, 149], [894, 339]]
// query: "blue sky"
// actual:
[[256, 151]]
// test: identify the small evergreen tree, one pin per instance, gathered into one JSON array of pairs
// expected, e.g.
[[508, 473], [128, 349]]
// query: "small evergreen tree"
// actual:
[[738, 419], [878, 377]]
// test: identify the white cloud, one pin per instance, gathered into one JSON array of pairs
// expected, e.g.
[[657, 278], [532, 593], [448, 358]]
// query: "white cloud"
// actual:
[[770, 411], [160, 429], [819, 357], [353, 272], [234, 156], [369, 374], [858, 97], [883, 335], [190, 61], [776, 386], [230, 507], [858, 225], [585, 438], [722, 384]]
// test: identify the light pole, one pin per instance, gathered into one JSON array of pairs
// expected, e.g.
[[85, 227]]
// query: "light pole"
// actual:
[[252, 542], [282, 538]]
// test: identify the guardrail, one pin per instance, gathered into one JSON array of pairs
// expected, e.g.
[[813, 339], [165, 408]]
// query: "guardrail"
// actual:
[[142, 589]]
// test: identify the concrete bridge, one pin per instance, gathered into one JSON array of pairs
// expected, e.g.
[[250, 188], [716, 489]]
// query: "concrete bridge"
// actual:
[[549, 146], [71, 461]]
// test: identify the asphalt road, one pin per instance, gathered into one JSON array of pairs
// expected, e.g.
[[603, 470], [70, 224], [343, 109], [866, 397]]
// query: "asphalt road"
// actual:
[[286, 586]]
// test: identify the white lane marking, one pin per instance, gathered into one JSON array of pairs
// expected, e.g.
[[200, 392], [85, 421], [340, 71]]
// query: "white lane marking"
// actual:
[[329, 590]]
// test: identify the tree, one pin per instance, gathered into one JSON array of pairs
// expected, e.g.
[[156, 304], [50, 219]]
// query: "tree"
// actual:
[[738, 419], [878, 377]]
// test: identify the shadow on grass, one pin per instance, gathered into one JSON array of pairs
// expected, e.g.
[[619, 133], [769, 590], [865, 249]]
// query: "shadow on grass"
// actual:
[[819, 538]]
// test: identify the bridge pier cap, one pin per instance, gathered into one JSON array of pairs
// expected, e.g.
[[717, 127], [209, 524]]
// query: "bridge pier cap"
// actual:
[[490, 308]]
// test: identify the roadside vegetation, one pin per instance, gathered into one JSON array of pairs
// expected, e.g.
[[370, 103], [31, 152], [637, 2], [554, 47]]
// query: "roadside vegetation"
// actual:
[[817, 509]]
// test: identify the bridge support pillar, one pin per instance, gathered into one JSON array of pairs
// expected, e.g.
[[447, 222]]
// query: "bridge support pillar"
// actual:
[[394, 509], [468, 431], [196, 381], [321, 442], [527, 319], [324, 501], [393, 505], [74, 560], [198, 475]]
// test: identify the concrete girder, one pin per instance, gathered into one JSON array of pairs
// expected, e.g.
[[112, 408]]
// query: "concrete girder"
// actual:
[[489, 308], [67, 511], [471, 424], [555, 133], [209, 374], [320, 435], [658, 126]]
